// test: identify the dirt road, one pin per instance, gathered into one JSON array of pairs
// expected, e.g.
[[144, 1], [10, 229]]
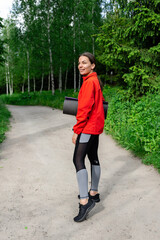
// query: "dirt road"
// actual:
[[38, 188]]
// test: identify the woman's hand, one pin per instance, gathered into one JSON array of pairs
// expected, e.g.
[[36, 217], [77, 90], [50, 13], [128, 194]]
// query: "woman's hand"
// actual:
[[74, 138]]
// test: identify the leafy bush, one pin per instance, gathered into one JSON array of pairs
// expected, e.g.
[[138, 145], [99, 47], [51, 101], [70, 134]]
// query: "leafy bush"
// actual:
[[136, 125], [153, 159]]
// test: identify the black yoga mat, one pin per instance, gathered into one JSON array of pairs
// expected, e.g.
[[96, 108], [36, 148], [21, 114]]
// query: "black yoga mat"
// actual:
[[71, 104]]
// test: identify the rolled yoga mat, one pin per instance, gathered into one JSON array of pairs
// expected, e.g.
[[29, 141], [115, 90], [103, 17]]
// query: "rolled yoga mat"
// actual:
[[71, 104]]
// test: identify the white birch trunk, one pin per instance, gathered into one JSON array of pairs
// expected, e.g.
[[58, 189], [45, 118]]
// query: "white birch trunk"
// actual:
[[6, 84], [28, 67], [23, 88], [60, 55], [8, 73], [9, 80], [12, 84], [8, 69], [50, 50], [49, 82], [42, 81]]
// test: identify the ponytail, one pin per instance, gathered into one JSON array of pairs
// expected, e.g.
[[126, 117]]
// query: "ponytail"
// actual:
[[100, 83]]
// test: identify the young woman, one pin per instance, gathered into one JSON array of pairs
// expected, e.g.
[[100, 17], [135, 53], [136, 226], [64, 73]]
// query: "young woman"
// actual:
[[90, 123]]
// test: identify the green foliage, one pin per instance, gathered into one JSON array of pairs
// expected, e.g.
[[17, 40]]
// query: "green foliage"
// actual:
[[44, 98], [4, 120], [153, 159], [129, 46], [135, 124]]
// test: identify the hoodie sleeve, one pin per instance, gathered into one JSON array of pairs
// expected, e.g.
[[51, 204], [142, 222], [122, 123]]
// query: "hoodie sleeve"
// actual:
[[85, 104]]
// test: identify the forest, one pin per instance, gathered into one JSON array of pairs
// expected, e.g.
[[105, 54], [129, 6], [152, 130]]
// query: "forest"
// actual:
[[43, 39], [39, 48]]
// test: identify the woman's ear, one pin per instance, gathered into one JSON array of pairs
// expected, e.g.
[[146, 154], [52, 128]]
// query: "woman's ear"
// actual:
[[92, 66]]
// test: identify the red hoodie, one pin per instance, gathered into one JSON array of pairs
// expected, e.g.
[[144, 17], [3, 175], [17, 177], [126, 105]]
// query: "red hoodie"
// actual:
[[90, 113]]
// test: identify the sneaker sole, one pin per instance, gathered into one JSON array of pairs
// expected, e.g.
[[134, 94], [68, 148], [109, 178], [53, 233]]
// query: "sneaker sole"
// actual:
[[86, 213]]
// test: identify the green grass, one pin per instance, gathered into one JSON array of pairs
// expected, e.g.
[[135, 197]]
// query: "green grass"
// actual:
[[4, 120]]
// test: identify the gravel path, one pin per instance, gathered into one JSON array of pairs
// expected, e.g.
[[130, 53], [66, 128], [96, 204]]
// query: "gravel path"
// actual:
[[38, 188]]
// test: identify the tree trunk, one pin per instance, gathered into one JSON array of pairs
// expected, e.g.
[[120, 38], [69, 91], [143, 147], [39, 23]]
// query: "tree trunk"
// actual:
[[74, 75], [23, 88], [8, 73], [66, 77], [28, 71], [6, 84], [93, 42], [79, 81], [34, 84], [74, 50], [42, 81], [60, 78], [49, 82], [60, 54], [12, 83], [23, 82], [9, 80], [50, 50]]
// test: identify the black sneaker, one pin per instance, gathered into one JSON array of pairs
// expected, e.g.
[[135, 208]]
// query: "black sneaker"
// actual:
[[84, 210], [95, 198]]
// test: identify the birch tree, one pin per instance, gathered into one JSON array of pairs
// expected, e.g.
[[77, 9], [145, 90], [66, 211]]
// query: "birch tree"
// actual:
[[1, 44], [52, 35]]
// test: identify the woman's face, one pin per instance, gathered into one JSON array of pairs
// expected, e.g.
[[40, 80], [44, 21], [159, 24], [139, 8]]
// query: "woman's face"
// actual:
[[85, 66]]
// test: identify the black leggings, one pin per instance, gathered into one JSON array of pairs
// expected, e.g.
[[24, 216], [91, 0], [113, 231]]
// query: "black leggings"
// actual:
[[89, 148]]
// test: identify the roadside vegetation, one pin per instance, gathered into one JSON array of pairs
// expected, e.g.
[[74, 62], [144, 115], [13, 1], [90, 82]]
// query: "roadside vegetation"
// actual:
[[135, 124], [4, 120], [44, 98]]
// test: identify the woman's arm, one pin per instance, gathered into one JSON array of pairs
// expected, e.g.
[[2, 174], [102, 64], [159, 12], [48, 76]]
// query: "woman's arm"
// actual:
[[85, 104]]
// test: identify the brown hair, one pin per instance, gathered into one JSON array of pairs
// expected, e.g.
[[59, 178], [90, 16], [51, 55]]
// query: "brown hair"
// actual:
[[92, 59]]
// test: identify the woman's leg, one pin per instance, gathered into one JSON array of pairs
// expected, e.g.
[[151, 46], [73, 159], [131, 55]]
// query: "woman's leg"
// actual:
[[95, 165], [82, 144]]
